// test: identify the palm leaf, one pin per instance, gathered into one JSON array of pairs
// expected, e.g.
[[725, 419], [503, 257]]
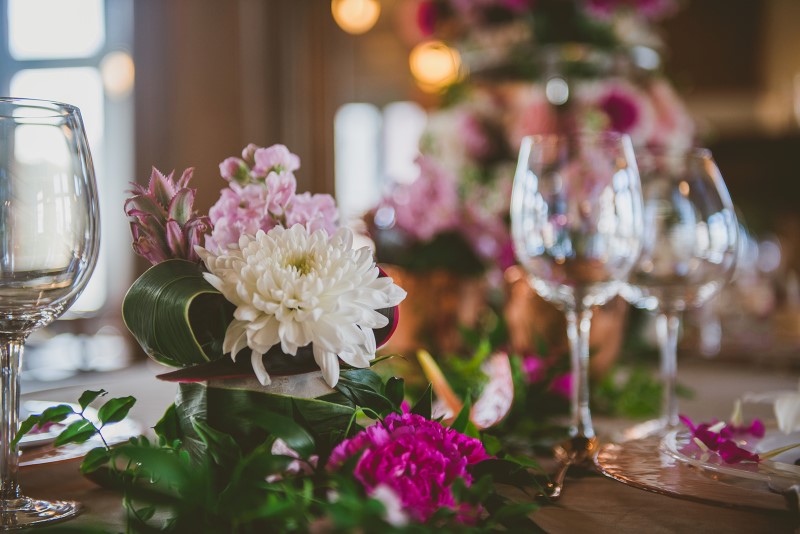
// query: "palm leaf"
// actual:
[[177, 317]]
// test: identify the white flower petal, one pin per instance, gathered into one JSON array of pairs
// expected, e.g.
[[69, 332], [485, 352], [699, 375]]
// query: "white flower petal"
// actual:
[[295, 288], [258, 366], [328, 364]]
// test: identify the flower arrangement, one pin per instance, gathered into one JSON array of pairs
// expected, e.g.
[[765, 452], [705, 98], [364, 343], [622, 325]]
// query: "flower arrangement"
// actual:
[[276, 439], [290, 277]]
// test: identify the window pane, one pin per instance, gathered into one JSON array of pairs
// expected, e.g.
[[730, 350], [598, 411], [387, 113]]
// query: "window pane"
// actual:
[[82, 87], [357, 134], [404, 123], [49, 29]]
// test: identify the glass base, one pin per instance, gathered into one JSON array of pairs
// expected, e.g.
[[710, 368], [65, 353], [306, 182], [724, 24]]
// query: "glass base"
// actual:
[[654, 428], [25, 512]]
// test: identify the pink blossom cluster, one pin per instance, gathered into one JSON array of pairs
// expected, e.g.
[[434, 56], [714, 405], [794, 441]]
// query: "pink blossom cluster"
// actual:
[[417, 459], [429, 205], [261, 194], [536, 370], [723, 440]]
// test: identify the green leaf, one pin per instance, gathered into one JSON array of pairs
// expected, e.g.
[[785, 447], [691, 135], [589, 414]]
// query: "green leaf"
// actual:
[[88, 396], [222, 448], [462, 420], [56, 414], [394, 390], [286, 428], [424, 405], [77, 432], [168, 427], [115, 410], [25, 427], [95, 459], [177, 317]]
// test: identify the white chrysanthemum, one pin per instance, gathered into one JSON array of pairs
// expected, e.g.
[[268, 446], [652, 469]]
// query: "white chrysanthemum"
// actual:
[[295, 288]]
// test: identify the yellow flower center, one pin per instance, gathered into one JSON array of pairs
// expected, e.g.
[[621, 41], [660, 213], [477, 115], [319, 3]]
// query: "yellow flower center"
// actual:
[[301, 263]]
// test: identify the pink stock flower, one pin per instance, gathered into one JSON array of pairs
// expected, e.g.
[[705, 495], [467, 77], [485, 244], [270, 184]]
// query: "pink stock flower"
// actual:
[[234, 169], [314, 212], [281, 187], [239, 210], [276, 158], [265, 197], [417, 459]]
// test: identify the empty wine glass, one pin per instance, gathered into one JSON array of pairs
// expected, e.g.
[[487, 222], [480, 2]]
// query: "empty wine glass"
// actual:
[[689, 251], [49, 238], [576, 218]]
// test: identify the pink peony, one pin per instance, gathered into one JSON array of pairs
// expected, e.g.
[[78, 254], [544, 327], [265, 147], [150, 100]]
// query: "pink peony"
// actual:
[[314, 212], [417, 459]]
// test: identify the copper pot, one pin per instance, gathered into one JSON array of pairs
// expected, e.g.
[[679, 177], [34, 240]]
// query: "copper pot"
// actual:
[[438, 304], [530, 318]]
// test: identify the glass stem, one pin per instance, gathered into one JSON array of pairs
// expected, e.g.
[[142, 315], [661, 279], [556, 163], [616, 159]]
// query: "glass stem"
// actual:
[[10, 361], [667, 326], [579, 324]]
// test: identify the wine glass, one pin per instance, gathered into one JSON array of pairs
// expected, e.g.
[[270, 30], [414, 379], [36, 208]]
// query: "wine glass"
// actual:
[[688, 254], [49, 238], [576, 222]]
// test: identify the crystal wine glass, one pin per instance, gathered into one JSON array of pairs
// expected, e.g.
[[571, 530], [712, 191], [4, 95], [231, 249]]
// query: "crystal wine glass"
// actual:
[[689, 251], [576, 218], [49, 238]]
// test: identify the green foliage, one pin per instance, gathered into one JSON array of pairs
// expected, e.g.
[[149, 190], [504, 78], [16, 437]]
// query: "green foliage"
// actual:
[[177, 317], [239, 489]]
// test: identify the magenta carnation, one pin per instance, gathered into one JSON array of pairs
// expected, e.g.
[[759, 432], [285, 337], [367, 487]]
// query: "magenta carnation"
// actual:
[[416, 458]]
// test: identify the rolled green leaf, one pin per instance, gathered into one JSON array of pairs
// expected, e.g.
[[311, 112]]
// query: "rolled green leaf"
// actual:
[[177, 317]]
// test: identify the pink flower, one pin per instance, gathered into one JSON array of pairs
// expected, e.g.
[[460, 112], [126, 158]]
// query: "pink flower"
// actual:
[[234, 169], [249, 152], [276, 158], [655, 9], [562, 385], [673, 124], [427, 16], [417, 459], [314, 212], [430, 204], [239, 210], [534, 368], [718, 437], [281, 188]]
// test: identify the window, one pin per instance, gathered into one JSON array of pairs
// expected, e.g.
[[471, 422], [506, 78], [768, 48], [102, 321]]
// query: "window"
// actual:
[[78, 51], [374, 148]]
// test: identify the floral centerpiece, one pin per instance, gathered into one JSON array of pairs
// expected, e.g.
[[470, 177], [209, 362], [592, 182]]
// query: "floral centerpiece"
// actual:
[[300, 434], [267, 273]]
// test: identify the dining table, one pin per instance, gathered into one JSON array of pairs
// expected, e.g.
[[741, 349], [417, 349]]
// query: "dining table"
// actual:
[[591, 502]]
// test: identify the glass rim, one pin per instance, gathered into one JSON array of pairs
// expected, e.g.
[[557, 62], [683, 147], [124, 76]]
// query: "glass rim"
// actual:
[[56, 108], [582, 134], [672, 151]]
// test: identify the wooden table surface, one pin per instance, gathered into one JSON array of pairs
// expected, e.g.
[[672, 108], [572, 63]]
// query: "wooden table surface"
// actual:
[[590, 503]]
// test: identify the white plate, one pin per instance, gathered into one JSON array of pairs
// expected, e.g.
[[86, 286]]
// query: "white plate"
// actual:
[[778, 473]]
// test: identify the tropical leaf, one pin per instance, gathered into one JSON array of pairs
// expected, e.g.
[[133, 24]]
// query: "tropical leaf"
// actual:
[[177, 317]]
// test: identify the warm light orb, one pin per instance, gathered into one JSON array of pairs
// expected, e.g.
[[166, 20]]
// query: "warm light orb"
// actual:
[[434, 65], [355, 16], [118, 72]]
